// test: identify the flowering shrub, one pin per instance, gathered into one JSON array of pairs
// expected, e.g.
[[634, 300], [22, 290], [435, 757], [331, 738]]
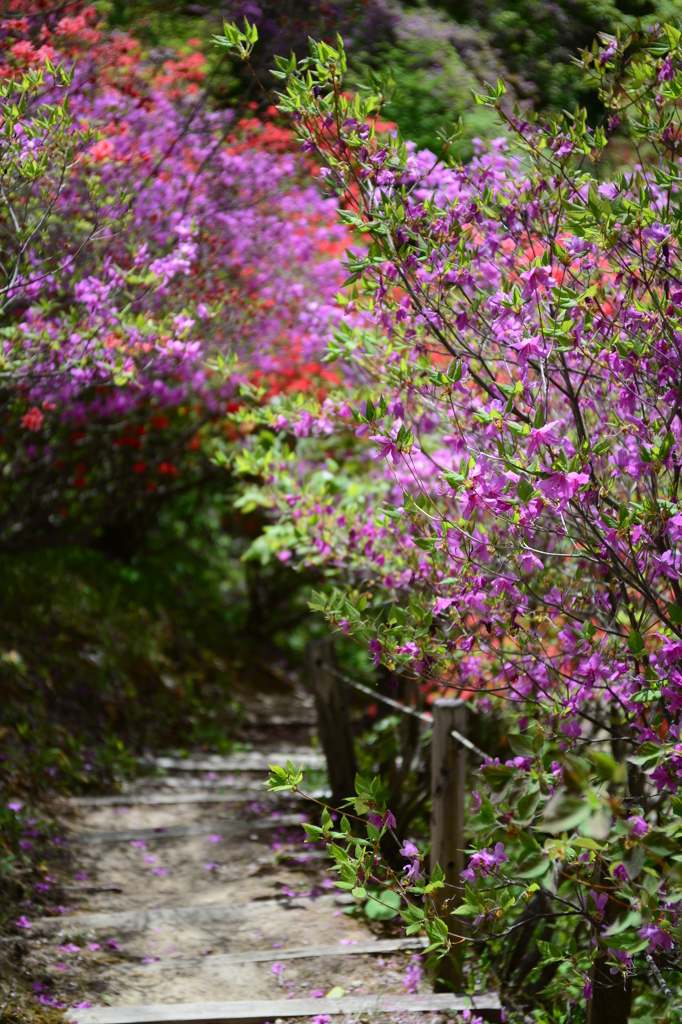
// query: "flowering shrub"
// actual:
[[149, 245], [498, 498]]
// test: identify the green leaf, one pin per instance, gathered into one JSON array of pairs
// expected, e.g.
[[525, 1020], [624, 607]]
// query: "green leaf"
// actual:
[[675, 614], [598, 825], [605, 764], [564, 814], [532, 867], [586, 844], [630, 920], [550, 952], [647, 752], [636, 643], [521, 745], [524, 490], [465, 911], [437, 931], [673, 34], [372, 832], [382, 905], [633, 861], [526, 807]]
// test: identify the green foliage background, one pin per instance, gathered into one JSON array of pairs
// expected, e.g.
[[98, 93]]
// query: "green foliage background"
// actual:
[[125, 645], [140, 642]]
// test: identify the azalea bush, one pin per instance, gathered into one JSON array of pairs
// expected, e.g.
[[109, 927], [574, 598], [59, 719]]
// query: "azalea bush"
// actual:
[[149, 243], [156, 255], [147, 239], [494, 497]]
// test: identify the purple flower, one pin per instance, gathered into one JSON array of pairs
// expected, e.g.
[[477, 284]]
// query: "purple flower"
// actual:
[[536, 278], [387, 449], [600, 899], [667, 72], [571, 728], [548, 434], [563, 486], [379, 820], [414, 975], [376, 649], [662, 779], [656, 233], [623, 958], [23, 922], [484, 863], [608, 52], [656, 937], [411, 853], [638, 827]]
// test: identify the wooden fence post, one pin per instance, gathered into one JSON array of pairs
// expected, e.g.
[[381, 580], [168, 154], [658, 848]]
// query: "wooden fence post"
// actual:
[[448, 786], [333, 720], [611, 1000]]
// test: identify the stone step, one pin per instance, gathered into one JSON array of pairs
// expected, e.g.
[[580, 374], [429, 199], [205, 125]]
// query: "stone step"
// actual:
[[486, 1006], [267, 955], [249, 762], [226, 828], [140, 920]]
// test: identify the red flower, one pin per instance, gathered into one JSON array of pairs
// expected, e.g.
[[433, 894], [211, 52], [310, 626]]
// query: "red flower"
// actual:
[[33, 419], [102, 150]]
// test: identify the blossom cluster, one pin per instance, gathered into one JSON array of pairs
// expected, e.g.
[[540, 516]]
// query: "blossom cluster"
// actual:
[[168, 254], [496, 490]]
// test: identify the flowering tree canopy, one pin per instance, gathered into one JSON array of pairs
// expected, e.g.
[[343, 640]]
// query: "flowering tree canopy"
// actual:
[[496, 492], [147, 242]]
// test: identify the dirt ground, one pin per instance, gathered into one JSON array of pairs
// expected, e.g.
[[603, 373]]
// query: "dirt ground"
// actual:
[[262, 890]]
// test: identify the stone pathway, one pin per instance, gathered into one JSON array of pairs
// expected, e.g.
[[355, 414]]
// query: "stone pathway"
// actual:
[[195, 899]]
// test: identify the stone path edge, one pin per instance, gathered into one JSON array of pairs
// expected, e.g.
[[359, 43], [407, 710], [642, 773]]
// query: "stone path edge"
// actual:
[[226, 826], [487, 1006], [200, 914], [266, 955]]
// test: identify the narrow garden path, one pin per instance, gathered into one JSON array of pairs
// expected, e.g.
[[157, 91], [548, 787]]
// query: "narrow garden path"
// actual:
[[194, 898]]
